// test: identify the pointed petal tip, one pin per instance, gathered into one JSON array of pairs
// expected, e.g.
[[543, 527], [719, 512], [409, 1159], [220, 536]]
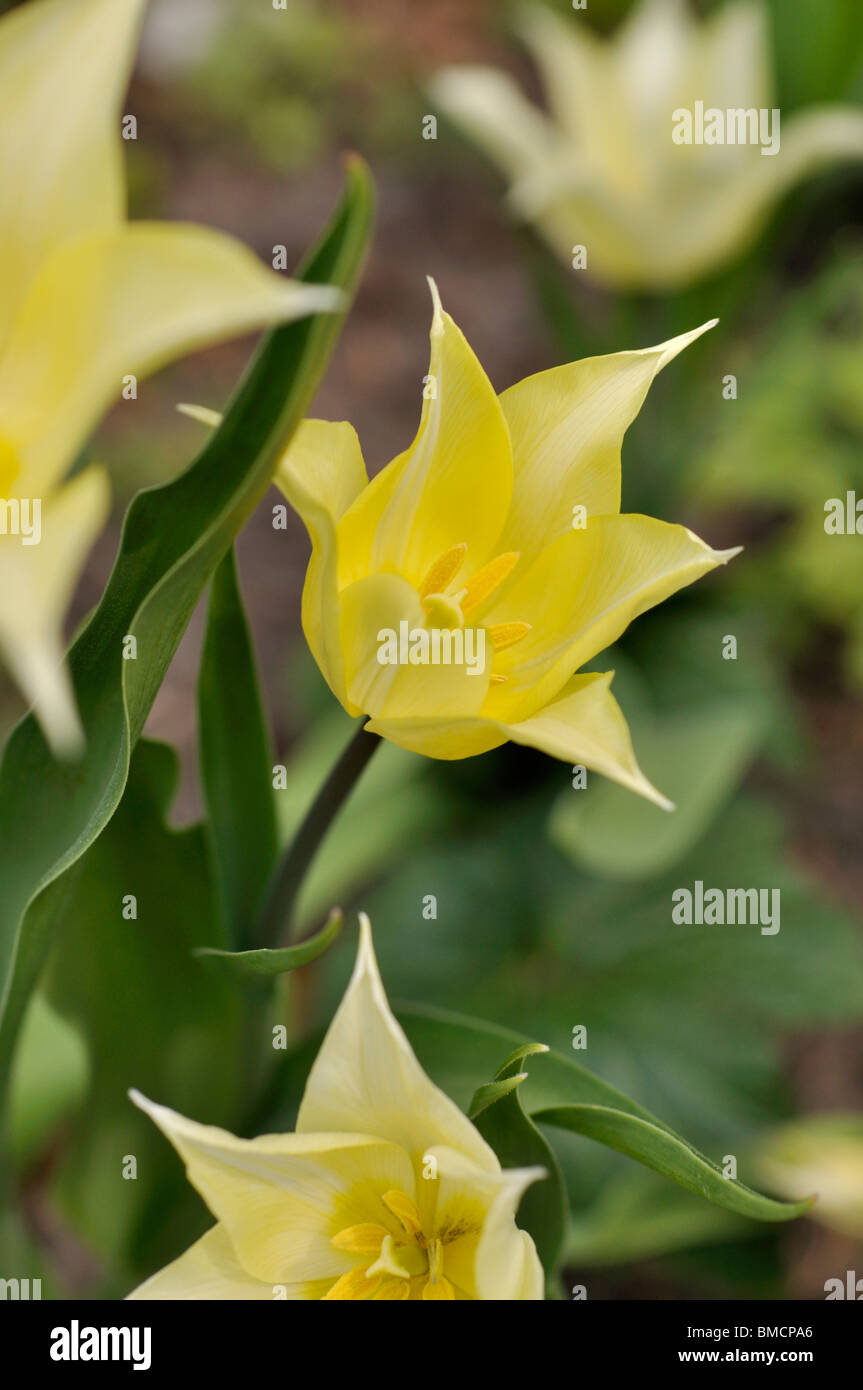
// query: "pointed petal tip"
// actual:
[[201, 413], [437, 307], [723, 556]]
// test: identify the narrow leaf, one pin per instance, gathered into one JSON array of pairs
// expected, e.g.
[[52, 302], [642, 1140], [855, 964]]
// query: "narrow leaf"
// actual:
[[278, 962], [236, 760], [668, 1154]]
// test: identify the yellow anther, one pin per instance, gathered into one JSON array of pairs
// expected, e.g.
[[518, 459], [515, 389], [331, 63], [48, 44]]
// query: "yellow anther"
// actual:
[[488, 579], [404, 1211], [497, 680], [354, 1285], [393, 1289], [503, 635], [365, 1239], [440, 1290], [444, 569]]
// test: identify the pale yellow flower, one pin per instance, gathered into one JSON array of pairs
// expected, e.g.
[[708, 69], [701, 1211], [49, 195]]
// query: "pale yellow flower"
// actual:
[[86, 300], [386, 1190], [820, 1153], [601, 169], [500, 521]]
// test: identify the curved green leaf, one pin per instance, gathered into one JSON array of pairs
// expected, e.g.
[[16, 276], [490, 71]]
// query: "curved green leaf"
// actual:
[[502, 1122], [455, 1050], [173, 539], [278, 962], [668, 1154], [236, 760]]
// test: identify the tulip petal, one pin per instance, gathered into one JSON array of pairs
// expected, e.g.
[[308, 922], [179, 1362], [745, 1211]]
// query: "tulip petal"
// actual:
[[495, 1261], [811, 139], [321, 473], [63, 71], [125, 302], [210, 1270], [581, 593], [453, 485], [489, 106], [585, 93], [567, 426], [37, 583], [584, 726], [367, 1078], [282, 1197], [376, 606]]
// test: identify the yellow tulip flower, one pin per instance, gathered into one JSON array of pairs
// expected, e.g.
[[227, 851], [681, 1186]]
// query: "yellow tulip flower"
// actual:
[[603, 169], [500, 522], [386, 1190], [86, 299]]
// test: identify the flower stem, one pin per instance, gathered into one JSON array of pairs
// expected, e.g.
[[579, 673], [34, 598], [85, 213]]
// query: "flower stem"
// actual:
[[277, 919]]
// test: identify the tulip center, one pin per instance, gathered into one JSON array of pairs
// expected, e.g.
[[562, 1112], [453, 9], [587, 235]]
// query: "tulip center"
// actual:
[[447, 607], [396, 1266]]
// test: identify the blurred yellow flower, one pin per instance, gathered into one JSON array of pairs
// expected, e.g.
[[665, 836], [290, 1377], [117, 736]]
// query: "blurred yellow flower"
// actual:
[[603, 169], [385, 1192], [86, 300], [822, 1154], [501, 523]]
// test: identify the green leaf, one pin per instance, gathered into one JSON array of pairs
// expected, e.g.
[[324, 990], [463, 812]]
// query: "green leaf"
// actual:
[[518, 1143], [561, 1093], [49, 1078], [151, 1018], [173, 539], [236, 760], [278, 962], [639, 1216], [666, 1153]]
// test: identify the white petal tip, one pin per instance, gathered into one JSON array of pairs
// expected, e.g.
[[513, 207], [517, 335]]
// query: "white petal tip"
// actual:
[[201, 413], [723, 556], [437, 315]]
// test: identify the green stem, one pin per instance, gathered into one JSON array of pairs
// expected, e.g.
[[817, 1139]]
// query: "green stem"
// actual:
[[277, 919]]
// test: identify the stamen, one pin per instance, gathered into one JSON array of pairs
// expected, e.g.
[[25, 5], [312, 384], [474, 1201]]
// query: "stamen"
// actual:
[[503, 635], [488, 579], [403, 1210], [495, 679], [365, 1239], [444, 569], [438, 1291], [435, 1259]]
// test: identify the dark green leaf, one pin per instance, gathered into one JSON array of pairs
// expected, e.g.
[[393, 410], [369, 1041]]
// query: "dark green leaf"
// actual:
[[150, 1016], [669, 1155], [278, 962], [236, 760], [518, 1143]]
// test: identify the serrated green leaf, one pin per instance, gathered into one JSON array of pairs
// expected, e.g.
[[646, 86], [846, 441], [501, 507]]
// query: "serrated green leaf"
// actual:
[[236, 761], [277, 962], [173, 539]]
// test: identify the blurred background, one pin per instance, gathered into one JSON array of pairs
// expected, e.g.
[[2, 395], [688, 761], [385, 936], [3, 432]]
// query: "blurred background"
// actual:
[[553, 904]]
